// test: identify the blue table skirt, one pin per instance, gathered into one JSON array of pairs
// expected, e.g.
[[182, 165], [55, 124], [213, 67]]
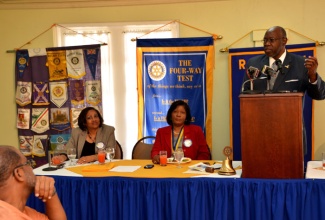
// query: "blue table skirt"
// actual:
[[188, 198]]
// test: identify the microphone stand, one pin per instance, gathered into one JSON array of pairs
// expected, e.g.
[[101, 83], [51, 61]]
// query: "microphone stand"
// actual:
[[49, 168], [251, 85]]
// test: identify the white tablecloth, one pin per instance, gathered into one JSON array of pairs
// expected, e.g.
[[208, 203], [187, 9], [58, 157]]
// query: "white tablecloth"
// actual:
[[58, 172]]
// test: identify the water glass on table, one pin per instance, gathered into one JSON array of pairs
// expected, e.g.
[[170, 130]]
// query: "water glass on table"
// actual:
[[179, 155], [72, 153], [110, 153]]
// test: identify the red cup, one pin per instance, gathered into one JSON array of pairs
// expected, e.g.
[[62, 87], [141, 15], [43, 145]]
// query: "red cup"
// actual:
[[163, 158], [101, 157]]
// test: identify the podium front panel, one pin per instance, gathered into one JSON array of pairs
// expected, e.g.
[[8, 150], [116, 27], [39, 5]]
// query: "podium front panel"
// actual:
[[272, 135]]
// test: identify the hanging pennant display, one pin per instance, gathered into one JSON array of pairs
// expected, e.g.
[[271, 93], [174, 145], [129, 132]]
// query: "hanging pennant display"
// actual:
[[91, 58], [75, 63], [75, 112], [35, 52], [60, 119], [59, 94], [26, 144], [23, 117], [38, 145], [23, 93], [57, 65], [53, 86], [93, 94], [40, 120], [21, 62], [59, 141], [41, 93], [77, 92]]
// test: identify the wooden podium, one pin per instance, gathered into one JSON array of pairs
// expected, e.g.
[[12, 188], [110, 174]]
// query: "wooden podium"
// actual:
[[272, 135]]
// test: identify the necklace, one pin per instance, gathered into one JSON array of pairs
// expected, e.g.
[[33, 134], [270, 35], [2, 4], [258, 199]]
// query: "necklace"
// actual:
[[91, 138], [176, 132]]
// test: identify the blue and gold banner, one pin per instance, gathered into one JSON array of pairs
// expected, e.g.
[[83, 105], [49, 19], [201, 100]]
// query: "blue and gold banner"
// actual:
[[22, 58], [92, 57], [237, 60], [174, 69]]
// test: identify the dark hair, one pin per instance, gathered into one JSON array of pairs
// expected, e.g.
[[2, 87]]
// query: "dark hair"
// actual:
[[9, 158], [173, 106], [82, 119]]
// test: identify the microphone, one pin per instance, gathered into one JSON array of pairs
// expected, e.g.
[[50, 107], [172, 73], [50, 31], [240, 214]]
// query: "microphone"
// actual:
[[269, 71], [278, 63], [253, 72]]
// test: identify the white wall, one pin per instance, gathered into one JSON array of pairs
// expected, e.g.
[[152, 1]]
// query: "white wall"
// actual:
[[232, 19]]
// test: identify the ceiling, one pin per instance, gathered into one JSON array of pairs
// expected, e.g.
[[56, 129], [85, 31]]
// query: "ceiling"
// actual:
[[52, 4]]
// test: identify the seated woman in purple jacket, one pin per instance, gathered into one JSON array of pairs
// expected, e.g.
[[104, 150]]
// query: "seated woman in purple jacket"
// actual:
[[180, 134]]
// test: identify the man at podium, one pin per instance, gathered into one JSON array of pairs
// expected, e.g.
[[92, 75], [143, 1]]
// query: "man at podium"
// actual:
[[284, 71]]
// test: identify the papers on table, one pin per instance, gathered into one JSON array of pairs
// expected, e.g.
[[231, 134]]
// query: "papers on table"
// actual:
[[125, 168], [315, 170], [200, 169]]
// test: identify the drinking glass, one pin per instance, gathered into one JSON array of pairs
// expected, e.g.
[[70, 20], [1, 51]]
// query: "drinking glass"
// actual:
[[163, 157], [179, 155], [101, 156], [110, 153], [71, 152]]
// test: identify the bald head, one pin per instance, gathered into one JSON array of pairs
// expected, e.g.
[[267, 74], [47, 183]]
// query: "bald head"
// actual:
[[278, 29], [275, 39], [10, 157]]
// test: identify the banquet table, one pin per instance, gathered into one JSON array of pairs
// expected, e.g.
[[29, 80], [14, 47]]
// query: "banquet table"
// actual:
[[172, 193]]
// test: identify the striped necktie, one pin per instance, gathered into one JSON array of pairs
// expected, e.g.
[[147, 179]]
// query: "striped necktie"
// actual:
[[273, 77]]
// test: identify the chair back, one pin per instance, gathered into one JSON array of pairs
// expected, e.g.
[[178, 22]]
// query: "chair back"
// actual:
[[141, 149], [118, 151]]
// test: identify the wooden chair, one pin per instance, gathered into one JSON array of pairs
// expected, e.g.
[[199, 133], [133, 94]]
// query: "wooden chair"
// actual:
[[142, 149], [119, 151]]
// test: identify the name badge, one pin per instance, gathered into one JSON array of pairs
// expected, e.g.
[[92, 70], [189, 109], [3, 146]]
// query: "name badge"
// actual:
[[100, 145], [187, 142]]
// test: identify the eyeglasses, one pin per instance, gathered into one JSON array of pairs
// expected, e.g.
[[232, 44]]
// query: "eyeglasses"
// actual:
[[271, 40], [30, 163]]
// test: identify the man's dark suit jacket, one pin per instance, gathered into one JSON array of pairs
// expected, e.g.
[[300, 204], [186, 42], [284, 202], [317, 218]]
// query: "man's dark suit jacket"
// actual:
[[293, 78]]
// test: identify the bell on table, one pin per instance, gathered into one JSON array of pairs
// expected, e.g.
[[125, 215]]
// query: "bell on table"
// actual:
[[226, 168]]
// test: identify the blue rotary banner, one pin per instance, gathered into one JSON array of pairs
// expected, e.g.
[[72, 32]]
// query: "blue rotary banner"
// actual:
[[174, 69], [237, 59]]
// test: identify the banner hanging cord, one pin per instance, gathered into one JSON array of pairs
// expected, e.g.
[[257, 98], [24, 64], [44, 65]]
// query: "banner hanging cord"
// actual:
[[226, 49], [53, 25], [215, 36]]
